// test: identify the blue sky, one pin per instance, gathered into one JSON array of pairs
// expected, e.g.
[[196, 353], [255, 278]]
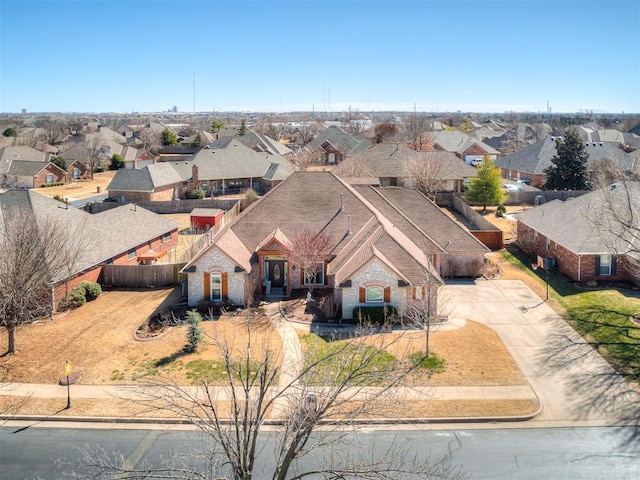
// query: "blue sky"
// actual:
[[477, 56]]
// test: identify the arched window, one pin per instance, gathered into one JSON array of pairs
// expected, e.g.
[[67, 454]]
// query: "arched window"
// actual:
[[374, 295], [216, 286]]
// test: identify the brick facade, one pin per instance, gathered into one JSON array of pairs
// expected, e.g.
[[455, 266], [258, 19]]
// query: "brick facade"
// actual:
[[578, 267]]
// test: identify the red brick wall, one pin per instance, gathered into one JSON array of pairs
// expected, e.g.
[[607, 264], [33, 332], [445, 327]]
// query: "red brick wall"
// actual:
[[578, 267], [536, 180], [40, 179]]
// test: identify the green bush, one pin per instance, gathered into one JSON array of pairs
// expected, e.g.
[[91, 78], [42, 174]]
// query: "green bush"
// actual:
[[501, 210], [59, 198], [74, 299], [92, 290], [54, 184], [195, 194], [378, 315]]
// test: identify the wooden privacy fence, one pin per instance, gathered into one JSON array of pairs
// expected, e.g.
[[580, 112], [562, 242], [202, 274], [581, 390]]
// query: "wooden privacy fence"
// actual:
[[486, 231], [142, 276], [174, 206]]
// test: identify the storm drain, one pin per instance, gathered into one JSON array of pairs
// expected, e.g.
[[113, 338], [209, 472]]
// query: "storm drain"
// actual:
[[523, 309]]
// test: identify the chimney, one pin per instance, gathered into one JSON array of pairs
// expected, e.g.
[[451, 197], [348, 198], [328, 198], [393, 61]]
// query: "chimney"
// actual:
[[194, 173]]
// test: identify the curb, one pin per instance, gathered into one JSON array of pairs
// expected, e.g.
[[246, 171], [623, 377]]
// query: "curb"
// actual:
[[178, 421]]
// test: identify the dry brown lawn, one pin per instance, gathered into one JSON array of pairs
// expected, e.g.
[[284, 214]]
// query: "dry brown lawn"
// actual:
[[98, 340]]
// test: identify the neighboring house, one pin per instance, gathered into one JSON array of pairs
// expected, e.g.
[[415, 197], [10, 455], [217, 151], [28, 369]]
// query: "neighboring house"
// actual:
[[77, 154], [397, 165], [155, 182], [34, 174], [264, 143], [530, 162], [565, 232], [464, 146], [595, 133], [229, 166], [26, 167], [126, 235], [333, 145], [387, 246]]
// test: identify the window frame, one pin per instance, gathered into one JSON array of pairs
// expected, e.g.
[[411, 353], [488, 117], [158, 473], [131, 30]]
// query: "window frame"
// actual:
[[212, 283], [608, 265], [131, 254], [374, 288]]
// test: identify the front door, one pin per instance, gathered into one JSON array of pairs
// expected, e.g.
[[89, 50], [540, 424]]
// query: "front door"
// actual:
[[276, 273]]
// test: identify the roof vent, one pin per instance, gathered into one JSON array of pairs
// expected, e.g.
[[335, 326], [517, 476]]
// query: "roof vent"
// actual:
[[600, 143], [594, 144], [348, 224], [341, 204]]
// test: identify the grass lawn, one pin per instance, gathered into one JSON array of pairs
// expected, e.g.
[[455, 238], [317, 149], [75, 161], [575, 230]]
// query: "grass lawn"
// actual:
[[600, 316]]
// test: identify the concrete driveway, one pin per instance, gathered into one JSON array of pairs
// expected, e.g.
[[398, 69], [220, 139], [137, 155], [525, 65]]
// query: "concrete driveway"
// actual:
[[574, 383]]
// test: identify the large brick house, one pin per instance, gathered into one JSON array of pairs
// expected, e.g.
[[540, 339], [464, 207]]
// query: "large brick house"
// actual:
[[387, 246], [573, 236]]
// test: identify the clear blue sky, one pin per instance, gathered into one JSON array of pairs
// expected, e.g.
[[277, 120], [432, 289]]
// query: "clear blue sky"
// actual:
[[492, 56]]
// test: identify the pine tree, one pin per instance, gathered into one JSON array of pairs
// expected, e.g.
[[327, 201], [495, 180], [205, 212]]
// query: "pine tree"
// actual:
[[168, 137], [243, 127], [486, 188], [569, 169], [194, 331]]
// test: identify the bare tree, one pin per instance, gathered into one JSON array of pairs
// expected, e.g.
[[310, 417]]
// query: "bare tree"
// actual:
[[187, 130], [307, 132], [313, 405], [30, 138], [34, 258], [93, 148], [428, 174], [428, 310], [51, 130], [308, 252], [149, 138], [614, 214], [385, 131], [416, 128], [304, 159]]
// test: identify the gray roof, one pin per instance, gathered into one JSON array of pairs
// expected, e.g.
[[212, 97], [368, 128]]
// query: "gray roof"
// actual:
[[580, 224], [458, 142], [342, 141], [111, 233], [29, 169], [361, 223], [228, 158], [392, 159], [146, 179], [20, 153], [534, 159]]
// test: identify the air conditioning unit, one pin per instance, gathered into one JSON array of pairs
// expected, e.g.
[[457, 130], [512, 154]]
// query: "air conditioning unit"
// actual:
[[549, 263]]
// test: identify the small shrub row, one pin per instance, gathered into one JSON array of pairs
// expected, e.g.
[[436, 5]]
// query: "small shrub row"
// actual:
[[83, 293], [54, 184], [376, 315]]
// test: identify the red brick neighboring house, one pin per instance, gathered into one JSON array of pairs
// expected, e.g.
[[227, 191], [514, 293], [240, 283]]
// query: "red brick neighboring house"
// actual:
[[531, 161], [564, 233], [126, 235]]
